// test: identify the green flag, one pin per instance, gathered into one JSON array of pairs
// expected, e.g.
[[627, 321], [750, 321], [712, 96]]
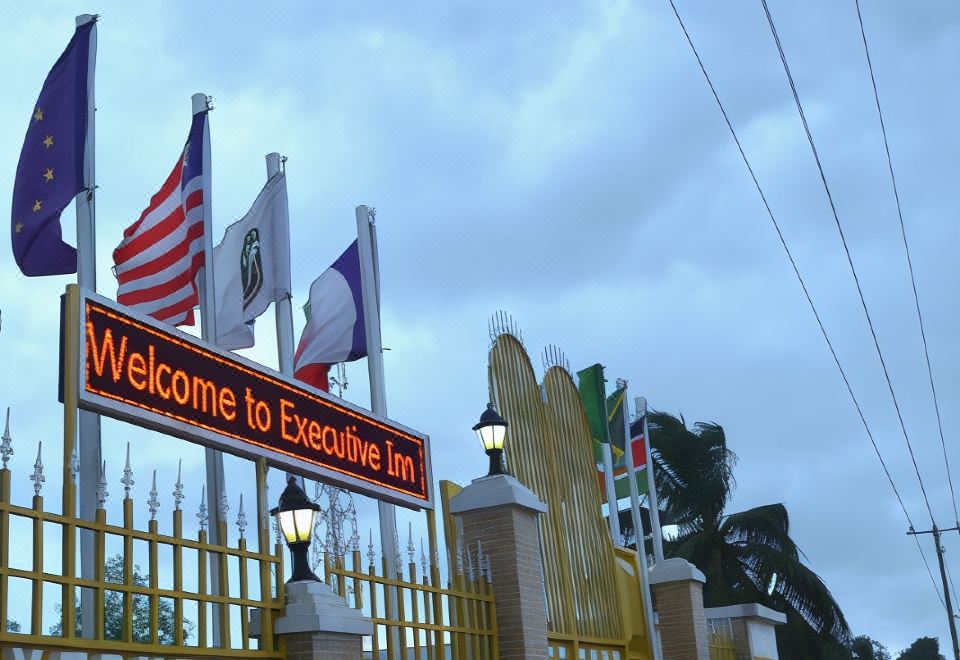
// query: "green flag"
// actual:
[[593, 396]]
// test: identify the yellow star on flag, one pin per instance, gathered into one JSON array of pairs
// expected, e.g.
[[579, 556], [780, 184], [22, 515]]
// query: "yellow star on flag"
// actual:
[[37, 205], [38, 115], [48, 175], [19, 226], [48, 141]]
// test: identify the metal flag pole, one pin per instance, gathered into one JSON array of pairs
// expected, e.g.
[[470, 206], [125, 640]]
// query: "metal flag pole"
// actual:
[[638, 527], [613, 511], [370, 287], [283, 308], [641, 405], [89, 422], [208, 330], [631, 476]]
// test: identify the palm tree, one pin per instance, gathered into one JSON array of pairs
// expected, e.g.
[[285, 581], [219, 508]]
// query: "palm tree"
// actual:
[[747, 557]]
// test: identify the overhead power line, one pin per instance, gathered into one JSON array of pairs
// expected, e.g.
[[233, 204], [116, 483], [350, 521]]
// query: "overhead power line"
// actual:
[[906, 248], [846, 249], [806, 291]]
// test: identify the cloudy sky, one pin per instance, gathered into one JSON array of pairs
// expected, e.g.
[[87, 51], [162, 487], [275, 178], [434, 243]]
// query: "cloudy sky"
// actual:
[[564, 162]]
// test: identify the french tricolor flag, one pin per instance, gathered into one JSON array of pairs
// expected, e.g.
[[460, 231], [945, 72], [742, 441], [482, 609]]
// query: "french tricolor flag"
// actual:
[[335, 330]]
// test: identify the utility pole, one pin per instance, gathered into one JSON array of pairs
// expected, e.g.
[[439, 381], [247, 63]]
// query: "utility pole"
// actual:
[[943, 576]]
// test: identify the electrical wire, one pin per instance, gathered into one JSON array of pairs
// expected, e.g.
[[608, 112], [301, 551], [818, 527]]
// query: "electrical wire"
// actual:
[[846, 249], [906, 248], [806, 291]]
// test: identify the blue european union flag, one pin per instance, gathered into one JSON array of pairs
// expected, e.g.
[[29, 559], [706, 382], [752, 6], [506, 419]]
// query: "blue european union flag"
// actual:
[[50, 171]]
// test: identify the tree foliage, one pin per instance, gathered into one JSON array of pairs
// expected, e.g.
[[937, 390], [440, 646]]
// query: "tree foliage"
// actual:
[[13, 626], [925, 648], [113, 610], [747, 557], [864, 648]]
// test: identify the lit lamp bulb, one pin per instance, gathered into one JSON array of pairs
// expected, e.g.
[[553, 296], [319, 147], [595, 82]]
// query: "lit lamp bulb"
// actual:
[[492, 430], [296, 515]]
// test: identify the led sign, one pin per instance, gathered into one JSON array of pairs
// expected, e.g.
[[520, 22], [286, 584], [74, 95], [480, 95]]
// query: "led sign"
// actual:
[[133, 368]]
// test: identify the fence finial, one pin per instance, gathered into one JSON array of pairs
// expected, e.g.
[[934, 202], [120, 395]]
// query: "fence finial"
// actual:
[[102, 493], [178, 488], [411, 549], [6, 446], [223, 506], [202, 516], [241, 518], [153, 503], [471, 575], [397, 559], [423, 559], [127, 480], [37, 477], [371, 553]]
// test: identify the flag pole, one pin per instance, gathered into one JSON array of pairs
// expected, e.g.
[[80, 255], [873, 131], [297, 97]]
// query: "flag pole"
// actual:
[[283, 308], [631, 476], [88, 450], [638, 526], [641, 405], [208, 331], [370, 287], [613, 510]]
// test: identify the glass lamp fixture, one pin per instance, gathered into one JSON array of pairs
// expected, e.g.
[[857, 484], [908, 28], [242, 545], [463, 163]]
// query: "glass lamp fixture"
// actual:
[[492, 430], [295, 516]]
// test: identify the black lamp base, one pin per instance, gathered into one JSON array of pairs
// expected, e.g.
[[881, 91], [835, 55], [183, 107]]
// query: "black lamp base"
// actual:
[[301, 565], [496, 462]]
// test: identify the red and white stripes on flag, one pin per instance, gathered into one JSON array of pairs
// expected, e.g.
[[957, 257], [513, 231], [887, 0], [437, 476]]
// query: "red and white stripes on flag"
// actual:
[[157, 261]]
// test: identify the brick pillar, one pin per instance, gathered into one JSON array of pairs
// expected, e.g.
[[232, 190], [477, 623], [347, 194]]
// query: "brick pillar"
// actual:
[[317, 624], [677, 588], [501, 513]]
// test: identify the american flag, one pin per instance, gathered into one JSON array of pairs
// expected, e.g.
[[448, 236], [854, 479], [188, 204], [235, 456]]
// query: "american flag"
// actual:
[[157, 261]]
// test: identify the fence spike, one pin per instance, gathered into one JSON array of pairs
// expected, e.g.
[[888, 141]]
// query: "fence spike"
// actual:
[[37, 477], [6, 446], [423, 559], [127, 480], [241, 518], [411, 549], [202, 516], [471, 575], [153, 503], [102, 493], [178, 488], [371, 553], [223, 506], [397, 559]]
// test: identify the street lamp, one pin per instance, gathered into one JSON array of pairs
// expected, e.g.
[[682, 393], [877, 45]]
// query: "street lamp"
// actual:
[[295, 516], [491, 429]]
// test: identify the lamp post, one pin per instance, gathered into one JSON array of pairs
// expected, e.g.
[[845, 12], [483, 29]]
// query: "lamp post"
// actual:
[[491, 430], [295, 515]]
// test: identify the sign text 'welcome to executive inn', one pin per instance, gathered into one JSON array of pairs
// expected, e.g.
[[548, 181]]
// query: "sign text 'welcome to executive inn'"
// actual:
[[135, 369]]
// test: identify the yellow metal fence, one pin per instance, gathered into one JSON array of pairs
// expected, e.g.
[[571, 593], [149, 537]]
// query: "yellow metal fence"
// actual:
[[126, 597], [414, 616], [720, 644]]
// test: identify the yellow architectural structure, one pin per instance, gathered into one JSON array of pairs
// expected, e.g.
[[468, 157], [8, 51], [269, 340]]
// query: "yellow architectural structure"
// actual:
[[594, 591]]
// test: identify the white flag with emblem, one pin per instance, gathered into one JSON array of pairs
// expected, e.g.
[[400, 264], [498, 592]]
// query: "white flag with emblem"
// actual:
[[251, 266]]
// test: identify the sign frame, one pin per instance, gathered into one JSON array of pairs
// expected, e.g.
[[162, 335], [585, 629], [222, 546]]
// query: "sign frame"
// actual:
[[74, 331]]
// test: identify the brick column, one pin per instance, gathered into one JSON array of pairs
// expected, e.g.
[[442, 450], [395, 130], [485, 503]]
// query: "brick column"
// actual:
[[317, 624], [677, 588], [501, 513]]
